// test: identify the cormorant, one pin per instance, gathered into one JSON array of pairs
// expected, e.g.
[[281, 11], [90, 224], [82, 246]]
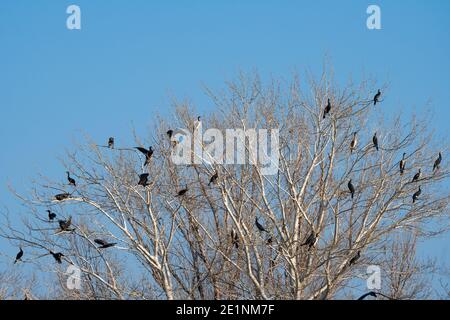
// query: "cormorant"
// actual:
[[259, 225], [351, 188], [182, 192], [371, 293], [62, 196], [64, 225], [197, 123], [355, 258], [402, 164], [437, 162], [327, 109], [169, 133], [354, 142], [148, 154], [104, 244], [213, 178], [417, 175], [51, 215], [375, 141], [143, 179], [19, 255], [376, 98], [235, 239], [111, 143], [57, 256], [311, 240], [71, 180], [417, 194]]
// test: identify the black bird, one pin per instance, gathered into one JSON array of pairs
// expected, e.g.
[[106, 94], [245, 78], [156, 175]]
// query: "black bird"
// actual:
[[213, 178], [376, 98], [402, 164], [197, 123], [51, 215], [355, 258], [354, 142], [57, 256], [375, 141], [437, 162], [148, 154], [351, 188], [71, 180], [19, 255], [111, 143], [235, 239], [104, 244], [371, 293], [417, 176], [64, 225], [143, 179], [62, 196], [416, 194], [259, 225], [327, 109], [169, 133], [311, 240], [182, 192]]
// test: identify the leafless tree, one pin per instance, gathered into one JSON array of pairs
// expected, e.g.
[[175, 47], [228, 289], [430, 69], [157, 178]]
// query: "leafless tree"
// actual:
[[13, 286], [204, 244]]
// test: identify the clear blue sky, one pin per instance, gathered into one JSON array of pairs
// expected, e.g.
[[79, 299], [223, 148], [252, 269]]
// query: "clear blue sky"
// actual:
[[131, 55]]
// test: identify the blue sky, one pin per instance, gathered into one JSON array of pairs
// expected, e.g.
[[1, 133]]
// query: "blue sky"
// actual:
[[130, 56]]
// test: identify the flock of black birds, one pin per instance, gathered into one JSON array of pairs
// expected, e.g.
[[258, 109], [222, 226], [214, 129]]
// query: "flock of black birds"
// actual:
[[311, 240], [65, 225], [402, 163]]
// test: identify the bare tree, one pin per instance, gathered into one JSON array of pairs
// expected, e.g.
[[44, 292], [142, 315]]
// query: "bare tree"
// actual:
[[13, 286], [182, 234]]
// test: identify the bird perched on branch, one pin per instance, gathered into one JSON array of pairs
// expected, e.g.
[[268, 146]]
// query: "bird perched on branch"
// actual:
[[57, 256], [377, 97], [259, 225], [437, 162], [417, 175], [375, 141], [402, 164], [71, 180], [182, 192], [104, 244], [311, 240], [213, 178], [355, 258], [197, 123], [354, 142], [111, 143], [351, 187], [235, 239], [64, 225], [371, 293], [19, 256], [143, 180], [62, 196], [327, 109], [416, 195], [148, 154], [51, 215]]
